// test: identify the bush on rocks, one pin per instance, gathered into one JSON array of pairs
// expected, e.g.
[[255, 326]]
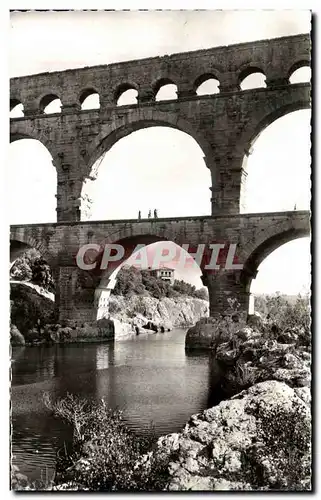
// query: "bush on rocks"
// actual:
[[258, 440], [105, 455]]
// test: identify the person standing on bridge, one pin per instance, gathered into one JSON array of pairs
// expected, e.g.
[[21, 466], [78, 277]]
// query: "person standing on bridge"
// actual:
[[139, 215], [155, 214], [150, 214]]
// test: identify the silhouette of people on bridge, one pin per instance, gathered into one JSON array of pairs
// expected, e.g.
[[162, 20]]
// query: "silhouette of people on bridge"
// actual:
[[150, 214], [139, 215], [155, 214]]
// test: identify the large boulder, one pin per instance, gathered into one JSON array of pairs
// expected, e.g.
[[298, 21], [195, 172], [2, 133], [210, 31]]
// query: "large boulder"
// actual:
[[251, 356], [16, 338], [209, 333], [255, 320], [258, 440], [203, 335]]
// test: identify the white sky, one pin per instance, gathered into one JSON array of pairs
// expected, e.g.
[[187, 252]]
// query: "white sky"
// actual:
[[159, 167]]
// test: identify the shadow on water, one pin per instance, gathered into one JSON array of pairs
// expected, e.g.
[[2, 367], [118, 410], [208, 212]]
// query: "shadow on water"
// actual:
[[216, 392]]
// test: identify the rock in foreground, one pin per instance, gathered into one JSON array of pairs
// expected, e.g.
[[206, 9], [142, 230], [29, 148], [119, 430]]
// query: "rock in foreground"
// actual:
[[258, 440]]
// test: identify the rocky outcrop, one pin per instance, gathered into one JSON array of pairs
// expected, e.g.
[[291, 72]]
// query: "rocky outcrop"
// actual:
[[210, 332], [257, 440], [16, 338], [31, 309], [103, 329], [138, 311], [32, 312], [251, 356]]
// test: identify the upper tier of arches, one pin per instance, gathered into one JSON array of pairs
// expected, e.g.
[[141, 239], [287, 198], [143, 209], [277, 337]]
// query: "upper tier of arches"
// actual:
[[158, 79]]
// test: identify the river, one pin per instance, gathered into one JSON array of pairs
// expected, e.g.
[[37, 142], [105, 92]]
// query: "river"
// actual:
[[149, 377]]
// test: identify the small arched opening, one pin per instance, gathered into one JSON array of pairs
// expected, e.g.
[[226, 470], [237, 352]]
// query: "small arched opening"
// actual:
[[300, 73], [89, 99], [207, 84], [126, 95], [50, 104], [165, 90], [252, 78]]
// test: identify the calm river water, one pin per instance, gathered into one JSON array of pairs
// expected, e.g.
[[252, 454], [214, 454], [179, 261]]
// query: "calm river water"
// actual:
[[149, 377]]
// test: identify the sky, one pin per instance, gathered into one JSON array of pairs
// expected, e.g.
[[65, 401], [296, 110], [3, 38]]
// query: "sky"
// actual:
[[159, 167]]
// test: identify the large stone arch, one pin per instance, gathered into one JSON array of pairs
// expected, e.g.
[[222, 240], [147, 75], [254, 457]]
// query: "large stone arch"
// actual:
[[262, 119], [147, 233], [19, 243], [138, 119], [21, 129], [261, 249], [251, 135], [104, 280], [94, 286], [129, 243]]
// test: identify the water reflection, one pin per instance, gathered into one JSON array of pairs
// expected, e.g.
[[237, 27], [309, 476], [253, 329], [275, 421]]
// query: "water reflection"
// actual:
[[149, 377]]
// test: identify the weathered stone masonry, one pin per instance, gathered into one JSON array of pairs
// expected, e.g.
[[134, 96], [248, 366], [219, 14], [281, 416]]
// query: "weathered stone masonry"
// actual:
[[224, 125], [256, 235]]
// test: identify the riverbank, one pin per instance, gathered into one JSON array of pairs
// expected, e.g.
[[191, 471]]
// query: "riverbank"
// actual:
[[257, 437], [149, 377], [32, 317], [132, 315]]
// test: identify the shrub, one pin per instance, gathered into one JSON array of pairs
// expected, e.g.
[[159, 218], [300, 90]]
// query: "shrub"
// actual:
[[286, 434], [239, 379], [285, 315], [202, 293], [32, 267], [105, 455], [113, 307], [29, 309]]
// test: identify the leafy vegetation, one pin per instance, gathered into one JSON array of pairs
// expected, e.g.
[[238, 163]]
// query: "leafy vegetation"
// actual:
[[283, 322], [105, 455], [29, 310], [286, 433], [32, 267], [283, 315], [132, 281]]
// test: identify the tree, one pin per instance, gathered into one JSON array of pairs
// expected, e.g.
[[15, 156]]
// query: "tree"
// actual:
[[41, 274], [32, 267], [129, 282], [132, 281], [202, 293]]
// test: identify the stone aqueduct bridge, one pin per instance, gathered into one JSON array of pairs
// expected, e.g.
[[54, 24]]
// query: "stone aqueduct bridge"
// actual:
[[225, 125], [256, 236]]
